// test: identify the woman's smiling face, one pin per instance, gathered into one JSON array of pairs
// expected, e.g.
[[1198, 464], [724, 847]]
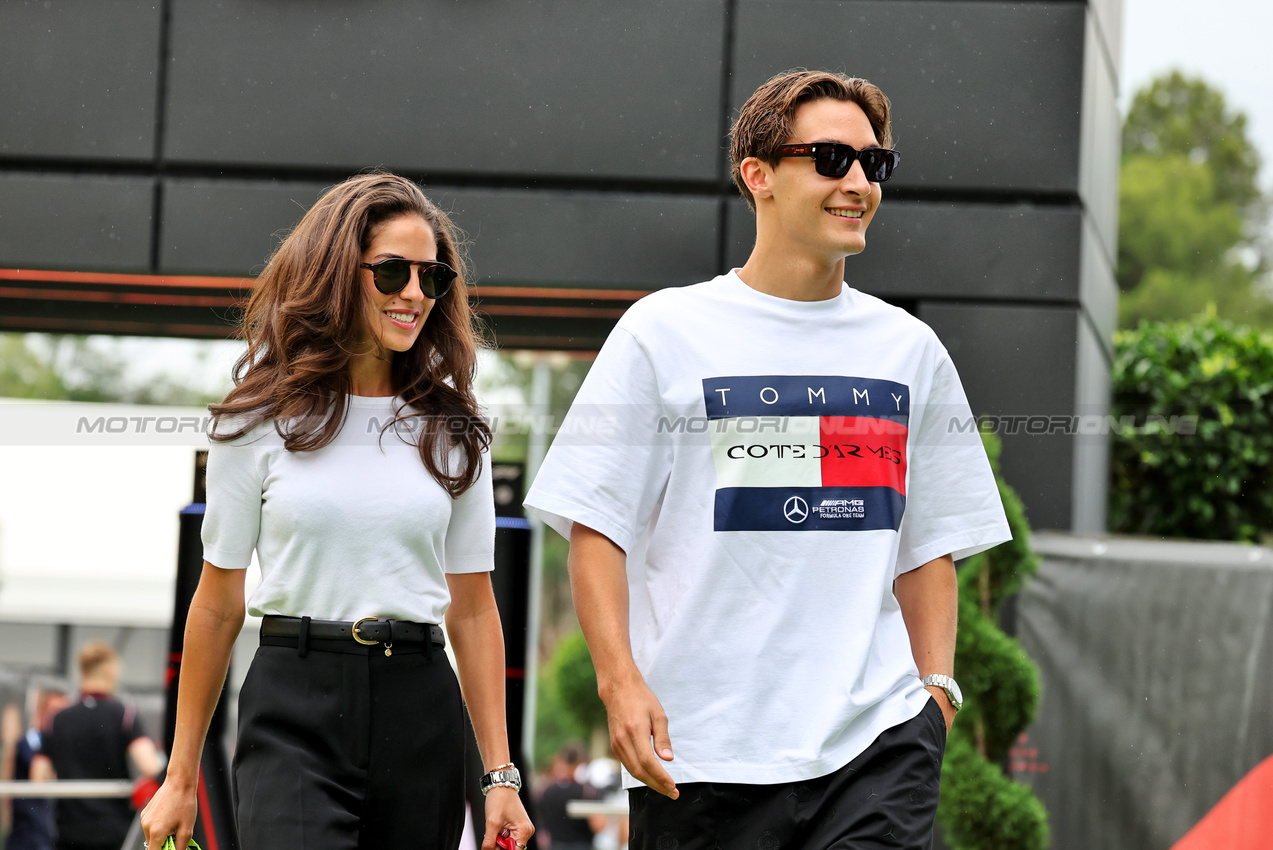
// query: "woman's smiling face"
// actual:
[[395, 320]]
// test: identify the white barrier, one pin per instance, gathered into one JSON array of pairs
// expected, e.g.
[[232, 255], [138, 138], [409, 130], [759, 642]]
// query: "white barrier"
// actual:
[[67, 788]]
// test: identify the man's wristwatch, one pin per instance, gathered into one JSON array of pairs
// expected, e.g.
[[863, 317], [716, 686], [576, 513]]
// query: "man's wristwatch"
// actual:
[[948, 685], [505, 777]]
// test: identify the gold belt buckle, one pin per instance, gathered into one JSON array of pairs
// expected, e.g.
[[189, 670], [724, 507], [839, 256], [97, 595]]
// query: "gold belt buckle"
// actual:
[[353, 632], [359, 638]]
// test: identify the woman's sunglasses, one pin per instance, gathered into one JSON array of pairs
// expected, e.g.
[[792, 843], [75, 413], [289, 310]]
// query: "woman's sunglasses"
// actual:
[[831, 159], [393, 276]]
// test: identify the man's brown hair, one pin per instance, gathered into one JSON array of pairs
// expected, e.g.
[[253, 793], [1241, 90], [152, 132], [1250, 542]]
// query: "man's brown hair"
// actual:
[[765, 122], [94, 655]]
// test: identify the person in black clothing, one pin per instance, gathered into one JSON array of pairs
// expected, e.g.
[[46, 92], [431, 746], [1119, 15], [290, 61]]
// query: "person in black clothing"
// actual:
[[562, 831], [95, 738], [31, 823]]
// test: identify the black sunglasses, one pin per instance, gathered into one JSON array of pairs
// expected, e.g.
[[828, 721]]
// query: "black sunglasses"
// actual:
[[393, 275], [832, 159]]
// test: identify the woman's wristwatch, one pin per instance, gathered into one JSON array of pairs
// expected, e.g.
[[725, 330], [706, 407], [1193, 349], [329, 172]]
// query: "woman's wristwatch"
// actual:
[[504, 776]]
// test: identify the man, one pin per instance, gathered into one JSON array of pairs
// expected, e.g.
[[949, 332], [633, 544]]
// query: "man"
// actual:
[[557, 830], [764, 496], [95, 738], [31, 817]]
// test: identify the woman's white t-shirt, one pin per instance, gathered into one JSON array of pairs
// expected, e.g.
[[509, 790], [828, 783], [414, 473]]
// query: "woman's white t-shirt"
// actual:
[[355, 529]]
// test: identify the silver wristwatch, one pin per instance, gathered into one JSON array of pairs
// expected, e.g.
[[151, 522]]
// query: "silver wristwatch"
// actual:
[[509, 777], [948, 685]]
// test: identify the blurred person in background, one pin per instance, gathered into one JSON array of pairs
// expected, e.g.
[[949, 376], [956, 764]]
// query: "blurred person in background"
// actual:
[[558, 830], [29, 819], [96, 737]]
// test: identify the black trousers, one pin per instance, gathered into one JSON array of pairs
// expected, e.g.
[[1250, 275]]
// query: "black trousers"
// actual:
[[349, 750], [885, 799]]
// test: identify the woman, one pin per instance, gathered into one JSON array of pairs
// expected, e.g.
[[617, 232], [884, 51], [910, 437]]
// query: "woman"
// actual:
[[350, 456]]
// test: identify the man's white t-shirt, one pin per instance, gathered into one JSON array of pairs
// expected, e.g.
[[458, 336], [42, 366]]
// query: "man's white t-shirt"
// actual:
[[358, 528], [770, 467]]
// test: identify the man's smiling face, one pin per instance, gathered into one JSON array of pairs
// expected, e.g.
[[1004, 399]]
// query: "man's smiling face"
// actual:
[[826, 217]]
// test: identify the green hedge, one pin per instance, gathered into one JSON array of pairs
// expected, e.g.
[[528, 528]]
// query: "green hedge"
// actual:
[[1199, 460], [981, 808]]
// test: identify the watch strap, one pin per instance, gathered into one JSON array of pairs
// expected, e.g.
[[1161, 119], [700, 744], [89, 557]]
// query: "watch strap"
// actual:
[[947, 684], [504, 777]]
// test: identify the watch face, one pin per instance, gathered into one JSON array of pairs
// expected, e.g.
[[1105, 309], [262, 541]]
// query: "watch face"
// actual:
[[512, 775]]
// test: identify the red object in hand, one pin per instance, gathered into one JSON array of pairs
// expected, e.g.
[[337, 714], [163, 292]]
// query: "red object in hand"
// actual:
[[505, 840], [143, 789]]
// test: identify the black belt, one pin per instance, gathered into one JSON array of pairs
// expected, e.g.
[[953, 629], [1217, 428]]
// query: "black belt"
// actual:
[[355, 636]]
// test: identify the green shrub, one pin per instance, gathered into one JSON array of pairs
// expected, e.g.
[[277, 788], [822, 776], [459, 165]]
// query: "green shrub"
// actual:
[[577, 682], [555, 725], [1215, 379], [981, 808]]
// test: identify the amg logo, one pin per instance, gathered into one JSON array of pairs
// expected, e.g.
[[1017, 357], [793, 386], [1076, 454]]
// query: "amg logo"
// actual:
[[845, 503]]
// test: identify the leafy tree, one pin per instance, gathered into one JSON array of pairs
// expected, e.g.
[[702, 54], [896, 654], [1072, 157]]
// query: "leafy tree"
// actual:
[[1191, 215], [71, 368], [981, 808], [1182, 115], [24, 373], [1171, 217]]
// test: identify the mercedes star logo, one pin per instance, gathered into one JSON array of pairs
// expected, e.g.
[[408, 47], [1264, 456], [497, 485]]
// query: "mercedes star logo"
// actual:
[[796, 510]]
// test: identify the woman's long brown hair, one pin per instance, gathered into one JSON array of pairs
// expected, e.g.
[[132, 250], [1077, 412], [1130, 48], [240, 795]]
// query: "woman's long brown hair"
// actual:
[[308, 316]]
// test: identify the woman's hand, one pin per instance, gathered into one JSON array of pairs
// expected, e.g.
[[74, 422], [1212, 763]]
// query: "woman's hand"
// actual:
[[504, 810], [171, 811]]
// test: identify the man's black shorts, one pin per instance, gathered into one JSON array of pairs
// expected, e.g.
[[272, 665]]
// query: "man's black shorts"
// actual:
[[884, 798]]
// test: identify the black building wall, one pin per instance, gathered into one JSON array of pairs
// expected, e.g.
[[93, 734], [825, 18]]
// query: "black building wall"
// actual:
[[580, 143]]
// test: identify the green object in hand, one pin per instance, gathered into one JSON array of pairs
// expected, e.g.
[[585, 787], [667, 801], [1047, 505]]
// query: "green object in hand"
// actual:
[[171, 844]]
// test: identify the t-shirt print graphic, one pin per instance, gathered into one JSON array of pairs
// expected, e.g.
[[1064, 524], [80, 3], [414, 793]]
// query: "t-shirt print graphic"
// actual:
[[808, 452]]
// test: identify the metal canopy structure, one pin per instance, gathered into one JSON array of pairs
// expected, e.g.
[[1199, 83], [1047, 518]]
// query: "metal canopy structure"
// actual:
[[204, 307]]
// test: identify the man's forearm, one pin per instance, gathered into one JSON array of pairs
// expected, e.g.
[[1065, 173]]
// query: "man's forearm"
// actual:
[[638, 724], [929, 599], [599, 586]]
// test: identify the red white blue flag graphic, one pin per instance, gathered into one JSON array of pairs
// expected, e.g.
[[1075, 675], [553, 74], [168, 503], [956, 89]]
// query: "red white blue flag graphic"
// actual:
[[808, 452]]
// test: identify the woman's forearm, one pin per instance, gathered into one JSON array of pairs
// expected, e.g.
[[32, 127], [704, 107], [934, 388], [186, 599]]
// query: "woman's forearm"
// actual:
[[212, 625], [477, 639]]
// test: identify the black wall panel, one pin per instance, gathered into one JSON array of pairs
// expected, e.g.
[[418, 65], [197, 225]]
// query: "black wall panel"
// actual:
[[227, 227], [586, 238], [985, 95], [1019, 361], [71, 222], [78, 79], [569, 87], [548, 238], [954, 250]]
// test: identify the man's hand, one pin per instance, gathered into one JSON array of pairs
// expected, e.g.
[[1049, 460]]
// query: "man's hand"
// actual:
[[943, 702], [636, 716]]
